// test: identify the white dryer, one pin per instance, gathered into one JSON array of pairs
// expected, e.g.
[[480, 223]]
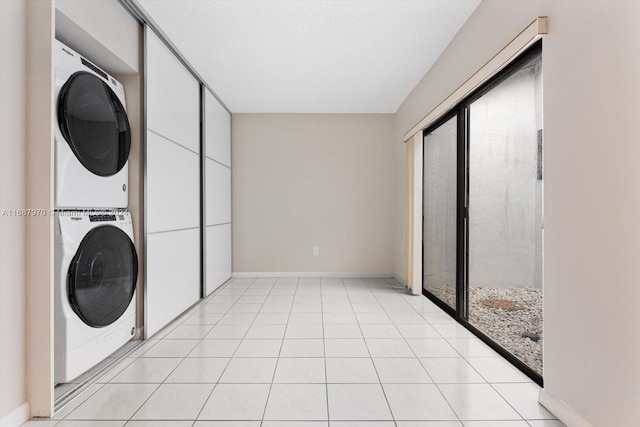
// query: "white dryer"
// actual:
[[96, 270], [92, 135]]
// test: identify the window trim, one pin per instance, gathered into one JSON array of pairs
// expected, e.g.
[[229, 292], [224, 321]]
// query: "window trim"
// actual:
[[503, 59]]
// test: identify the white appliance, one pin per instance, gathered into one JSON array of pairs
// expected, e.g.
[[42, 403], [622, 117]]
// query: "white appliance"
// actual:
[[95, 271], [92, 135]]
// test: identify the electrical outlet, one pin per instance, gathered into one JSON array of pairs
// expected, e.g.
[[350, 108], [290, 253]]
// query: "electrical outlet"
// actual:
[[316, 251]]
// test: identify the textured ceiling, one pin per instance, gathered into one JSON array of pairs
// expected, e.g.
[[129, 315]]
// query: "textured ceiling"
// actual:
[[330, 56]]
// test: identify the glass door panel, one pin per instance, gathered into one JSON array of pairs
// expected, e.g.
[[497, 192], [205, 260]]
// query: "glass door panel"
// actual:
[[439, 212], [505, 213]]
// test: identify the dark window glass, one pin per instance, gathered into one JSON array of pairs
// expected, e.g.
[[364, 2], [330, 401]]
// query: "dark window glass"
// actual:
[[94, 123], [102, 276]]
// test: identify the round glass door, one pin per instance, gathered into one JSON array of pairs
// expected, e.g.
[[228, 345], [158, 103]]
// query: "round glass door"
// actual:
[[102, 276], [94, 123]]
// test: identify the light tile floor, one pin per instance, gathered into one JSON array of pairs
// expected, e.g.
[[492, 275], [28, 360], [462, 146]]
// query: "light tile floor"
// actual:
[[310, 352]]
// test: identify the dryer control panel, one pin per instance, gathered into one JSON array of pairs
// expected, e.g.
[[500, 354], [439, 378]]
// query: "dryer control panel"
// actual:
[[72, 226]]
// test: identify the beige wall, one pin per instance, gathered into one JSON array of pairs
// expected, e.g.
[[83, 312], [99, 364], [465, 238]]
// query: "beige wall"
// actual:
[[308, 180], [12, 196], [591, 102], [399, 158]]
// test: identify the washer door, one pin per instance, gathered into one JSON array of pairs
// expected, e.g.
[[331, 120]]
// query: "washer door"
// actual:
[[94, 123], [102, 276]]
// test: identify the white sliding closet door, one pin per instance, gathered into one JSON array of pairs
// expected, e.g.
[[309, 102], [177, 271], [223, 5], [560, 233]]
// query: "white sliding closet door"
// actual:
[[218, 263], [172, 186], [218, 193], [217, 130]]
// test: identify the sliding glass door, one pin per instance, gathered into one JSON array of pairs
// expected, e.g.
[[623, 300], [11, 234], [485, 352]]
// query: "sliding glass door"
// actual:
[[482, 213], [439, 211], [505, 213]]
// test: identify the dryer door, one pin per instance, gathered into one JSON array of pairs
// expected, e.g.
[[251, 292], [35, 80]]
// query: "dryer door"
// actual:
[[94, 123], [102, 276]]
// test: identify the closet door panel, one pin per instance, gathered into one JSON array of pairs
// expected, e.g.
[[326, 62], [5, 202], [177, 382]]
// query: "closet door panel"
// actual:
[[218, 256], [217, 146], [173, 96], [173, 199], [218, 193], [172, 207], [173, 276], [218, 130]]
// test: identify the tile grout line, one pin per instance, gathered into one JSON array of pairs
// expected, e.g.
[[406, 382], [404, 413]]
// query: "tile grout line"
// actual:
[[414, 353], [412, 350], [240, 344], [375, 368], [266, 403], [101, 385], [506, 401], [204, 301], [97, 384], [437, 388], [373, 288], [403, 337], [215, 386], [324, 353]]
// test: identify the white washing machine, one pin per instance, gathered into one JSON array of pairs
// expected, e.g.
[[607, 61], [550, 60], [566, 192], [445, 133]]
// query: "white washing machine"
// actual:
[[96, 270], [92, 135]]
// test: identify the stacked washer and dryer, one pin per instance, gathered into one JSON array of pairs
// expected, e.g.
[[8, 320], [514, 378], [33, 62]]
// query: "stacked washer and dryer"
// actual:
[[96, 264]]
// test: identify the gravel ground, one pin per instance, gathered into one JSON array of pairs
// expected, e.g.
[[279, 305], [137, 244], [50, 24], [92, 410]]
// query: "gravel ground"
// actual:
[[506, 327]]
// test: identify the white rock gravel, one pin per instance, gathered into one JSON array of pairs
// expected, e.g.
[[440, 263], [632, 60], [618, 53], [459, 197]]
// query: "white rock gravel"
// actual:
[[506, 327]]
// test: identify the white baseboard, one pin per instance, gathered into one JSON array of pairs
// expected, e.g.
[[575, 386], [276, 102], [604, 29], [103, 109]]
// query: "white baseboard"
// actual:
[[17, 417], [417, 292], [560, 409], [399, 279], [307, 274]]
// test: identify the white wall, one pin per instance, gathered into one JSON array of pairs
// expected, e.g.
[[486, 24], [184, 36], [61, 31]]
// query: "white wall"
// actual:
[[12, 196], [591, 101], [313, 180]]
